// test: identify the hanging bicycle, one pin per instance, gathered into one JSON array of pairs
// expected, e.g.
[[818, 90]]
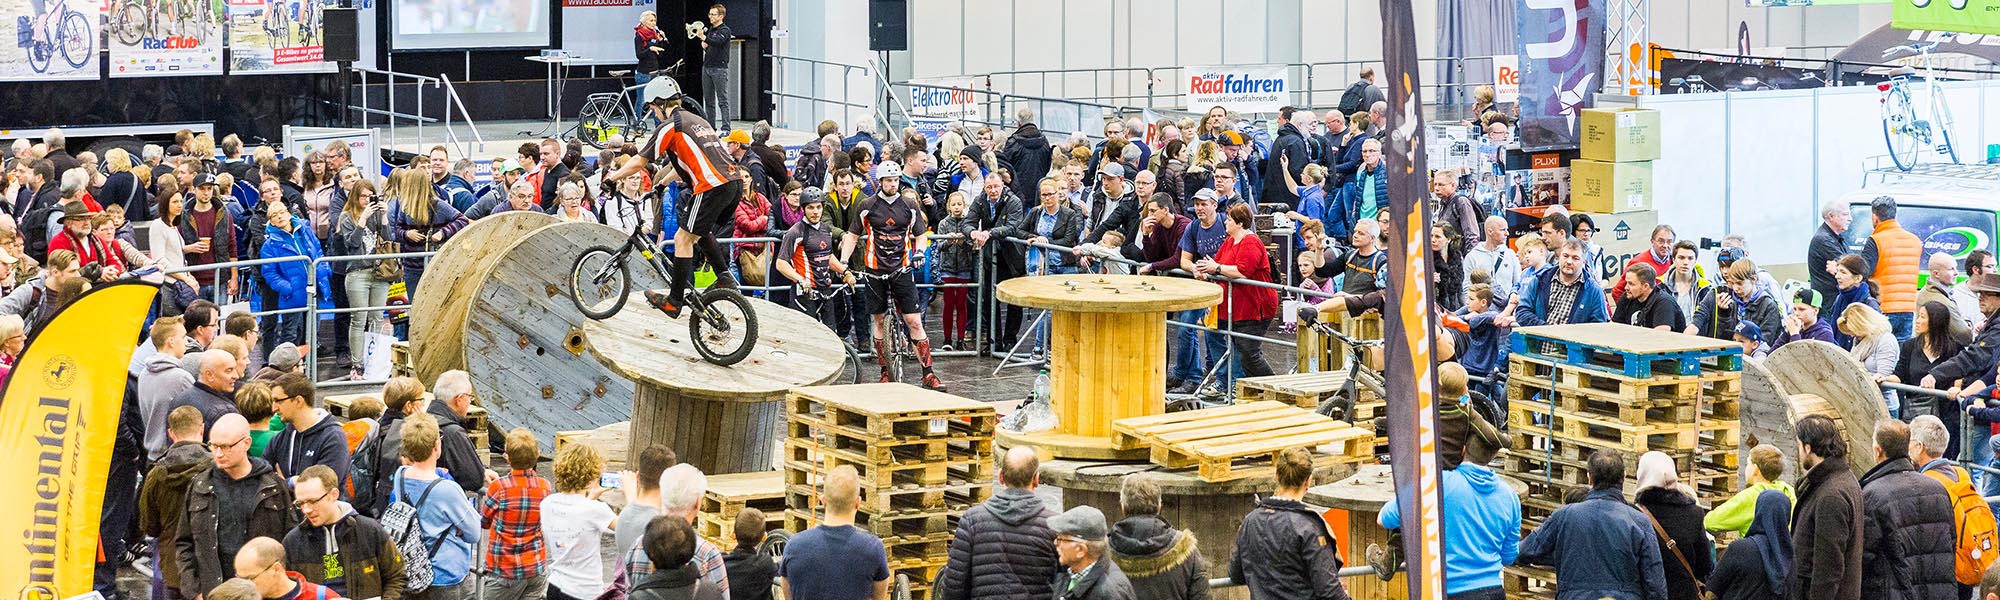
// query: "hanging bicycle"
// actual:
[[1906, 132]]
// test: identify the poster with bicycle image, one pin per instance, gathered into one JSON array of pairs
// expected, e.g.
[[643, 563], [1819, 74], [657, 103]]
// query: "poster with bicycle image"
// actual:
[[156, 38], [53, 40], [276, 36]]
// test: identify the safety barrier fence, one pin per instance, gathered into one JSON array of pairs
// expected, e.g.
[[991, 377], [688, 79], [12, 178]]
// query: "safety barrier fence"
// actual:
[[416, 85]]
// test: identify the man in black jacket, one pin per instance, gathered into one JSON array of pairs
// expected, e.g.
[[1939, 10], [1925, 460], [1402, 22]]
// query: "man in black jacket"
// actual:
[[999, 215], [359, 562], [1284, 549], [214, 388], [1026, 154], [1907, 537], [1826, 527], [715, 67], [1113, 207], [1827, 247], [1004, 548], [774, 157], [310, 437], [240, 499], [1291, 143], [453, 402]]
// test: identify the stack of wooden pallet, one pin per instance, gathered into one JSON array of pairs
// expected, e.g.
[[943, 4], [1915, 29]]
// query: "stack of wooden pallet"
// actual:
[[729, 494], [400, 364], [1325, 353], [1234, 442], [609, 441], [1574, 390], [924, 458]]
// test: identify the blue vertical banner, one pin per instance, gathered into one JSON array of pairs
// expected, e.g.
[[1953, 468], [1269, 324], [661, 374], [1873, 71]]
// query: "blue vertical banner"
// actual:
[[1561, 51], [1409, 323]]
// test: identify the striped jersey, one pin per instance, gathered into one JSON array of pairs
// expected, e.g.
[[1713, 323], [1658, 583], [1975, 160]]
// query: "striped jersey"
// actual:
[[890, 226], [690, 144]]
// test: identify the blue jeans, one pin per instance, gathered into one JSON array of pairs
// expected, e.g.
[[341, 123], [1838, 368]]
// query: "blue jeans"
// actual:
[[1982, 453], [1186, 365], [1901, 324]]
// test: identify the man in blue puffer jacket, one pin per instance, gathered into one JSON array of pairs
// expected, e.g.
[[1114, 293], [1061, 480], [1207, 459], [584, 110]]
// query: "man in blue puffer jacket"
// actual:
[[286, 235]]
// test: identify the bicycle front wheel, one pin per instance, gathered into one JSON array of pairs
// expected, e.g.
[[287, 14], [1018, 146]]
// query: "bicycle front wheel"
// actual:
[[599, 281], [1941, 123], [1899, 128], [131, 23], [78, 45], [723, 327]]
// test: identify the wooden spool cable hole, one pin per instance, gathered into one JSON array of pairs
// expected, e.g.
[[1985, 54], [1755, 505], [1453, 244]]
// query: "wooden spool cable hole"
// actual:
[[574, 341]]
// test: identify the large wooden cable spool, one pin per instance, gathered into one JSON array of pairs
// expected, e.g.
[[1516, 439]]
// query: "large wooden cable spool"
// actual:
[[523, 336], [437, 316], [1805, 378]]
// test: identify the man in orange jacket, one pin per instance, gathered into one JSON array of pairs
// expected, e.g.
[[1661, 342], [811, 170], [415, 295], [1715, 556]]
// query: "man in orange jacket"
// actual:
[[1894, 256]]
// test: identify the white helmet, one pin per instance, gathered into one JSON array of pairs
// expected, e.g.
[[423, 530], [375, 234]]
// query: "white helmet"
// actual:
[[662, 88]]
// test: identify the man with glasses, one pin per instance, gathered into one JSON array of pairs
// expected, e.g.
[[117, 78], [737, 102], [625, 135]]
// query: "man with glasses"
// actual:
[[337, 547], [1081, 540], [214, 388], [262, 560], [715, 66], [241, 499], [309, 439]]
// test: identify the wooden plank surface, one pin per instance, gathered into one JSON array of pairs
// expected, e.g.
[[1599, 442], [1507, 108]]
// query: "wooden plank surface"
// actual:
[[1109, 293], [743, 487], [1834, 382], [792, 350], [1619, 336], [888, 399], [437, 316], [609, 440]]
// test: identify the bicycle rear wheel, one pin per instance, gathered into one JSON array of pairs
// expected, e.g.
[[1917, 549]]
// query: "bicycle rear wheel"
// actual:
[[599, 281], [78, 44], [1941, 123], [722, 327], [130, 22], [600, 119], [1899, 128]]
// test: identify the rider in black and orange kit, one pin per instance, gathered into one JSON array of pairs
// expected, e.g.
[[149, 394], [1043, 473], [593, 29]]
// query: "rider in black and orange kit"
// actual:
[[890, 225], [688, 142]]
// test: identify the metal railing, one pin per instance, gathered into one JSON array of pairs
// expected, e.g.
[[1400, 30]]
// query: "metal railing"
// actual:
[[416, 84], [819, 106]]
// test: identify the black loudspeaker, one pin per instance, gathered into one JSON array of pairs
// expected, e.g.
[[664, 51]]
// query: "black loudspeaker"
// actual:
[[343, 35], [888, 25]]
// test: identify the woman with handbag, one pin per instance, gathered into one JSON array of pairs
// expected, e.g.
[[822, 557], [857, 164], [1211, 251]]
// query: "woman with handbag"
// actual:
[[363, 228], [753, 219], [1688, 555], [419, 221]]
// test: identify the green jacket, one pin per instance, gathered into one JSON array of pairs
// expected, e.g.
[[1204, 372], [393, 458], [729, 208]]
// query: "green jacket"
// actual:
[[1735, 514]]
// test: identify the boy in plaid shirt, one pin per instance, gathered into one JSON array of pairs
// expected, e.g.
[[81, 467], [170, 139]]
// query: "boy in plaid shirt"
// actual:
[[511, 512]]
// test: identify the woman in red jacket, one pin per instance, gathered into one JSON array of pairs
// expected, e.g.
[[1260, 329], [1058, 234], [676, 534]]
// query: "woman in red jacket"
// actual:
[[1247, 308], [753, 219]]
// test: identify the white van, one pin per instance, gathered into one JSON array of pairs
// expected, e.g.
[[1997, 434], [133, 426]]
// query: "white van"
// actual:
[[1951, 215]]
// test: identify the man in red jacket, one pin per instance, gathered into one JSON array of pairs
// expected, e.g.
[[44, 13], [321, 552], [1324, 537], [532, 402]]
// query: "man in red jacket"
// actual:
[[1660, 257], [262, 561]]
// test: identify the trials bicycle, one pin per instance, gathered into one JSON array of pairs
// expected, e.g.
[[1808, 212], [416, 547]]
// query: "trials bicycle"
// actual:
[[721, 325], [1906, 132]]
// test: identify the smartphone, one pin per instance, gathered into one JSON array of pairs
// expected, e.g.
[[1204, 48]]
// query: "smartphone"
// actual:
[[608, 481]]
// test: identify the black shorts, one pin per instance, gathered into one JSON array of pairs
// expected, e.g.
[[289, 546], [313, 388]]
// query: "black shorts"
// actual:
[[701, 212], [901, 287]]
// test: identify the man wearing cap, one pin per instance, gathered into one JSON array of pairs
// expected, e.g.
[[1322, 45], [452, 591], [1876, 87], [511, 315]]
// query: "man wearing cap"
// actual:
[[283, 359], [502, 198], [1977, 262], [806, 253], [1943, 270], [1080, 546], [211, 236], [1234, 149], [1113, 207], [889, 226], [74, 234], [1284, 548], [738, 143], [1804, 324], [1482, 513]]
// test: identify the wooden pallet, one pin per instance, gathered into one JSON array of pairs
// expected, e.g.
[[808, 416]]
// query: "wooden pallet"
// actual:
[[1627, 350], [400, 364], [1326, 353], [807, 463], [955, 498], [902, 526], [1538, 443], [818, 437], [1529, 582], [1303, 390], [729, 494], [1560, 423], [1219, 441], [1548, 373], [892, 411], [609, 440]]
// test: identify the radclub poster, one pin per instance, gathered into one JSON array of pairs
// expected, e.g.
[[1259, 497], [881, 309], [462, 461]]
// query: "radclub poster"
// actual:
[[53, 39], [153, 38], [281, 36]]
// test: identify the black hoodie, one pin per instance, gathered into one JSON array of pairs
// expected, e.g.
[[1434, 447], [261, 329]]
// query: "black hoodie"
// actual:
[[1162, 562], [1027, 154], [325, 443], [1003, 550]]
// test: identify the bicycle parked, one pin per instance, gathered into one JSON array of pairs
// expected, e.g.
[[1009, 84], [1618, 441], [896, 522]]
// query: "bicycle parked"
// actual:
[[61, 30], [607, 114], [1906, 132], [722, 328]]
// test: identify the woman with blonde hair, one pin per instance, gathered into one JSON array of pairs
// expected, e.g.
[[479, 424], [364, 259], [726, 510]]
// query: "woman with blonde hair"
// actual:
[[359, 229], [419, 220], [1874, 346], [13, 339], [124, 187]]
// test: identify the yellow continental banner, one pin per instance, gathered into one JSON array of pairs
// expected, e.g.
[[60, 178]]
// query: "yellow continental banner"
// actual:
[[58, 419]]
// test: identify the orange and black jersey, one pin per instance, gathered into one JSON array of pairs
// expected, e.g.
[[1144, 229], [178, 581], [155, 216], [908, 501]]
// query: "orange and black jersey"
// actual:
[[890, 227], [810, 249], [689, 143]]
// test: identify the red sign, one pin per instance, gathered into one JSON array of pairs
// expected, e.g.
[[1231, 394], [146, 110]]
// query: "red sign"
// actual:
[[1545, 161], [589, 3], [298, 54]]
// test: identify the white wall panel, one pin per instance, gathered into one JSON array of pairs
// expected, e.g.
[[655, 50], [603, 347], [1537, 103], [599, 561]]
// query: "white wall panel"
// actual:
[[988, 41], [935, 43], [1200, 30], [1770, 174], [1038, 39], [1682, 197]]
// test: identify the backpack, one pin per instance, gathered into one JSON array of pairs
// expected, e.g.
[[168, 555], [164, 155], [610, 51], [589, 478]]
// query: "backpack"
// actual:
[[35, 230], [400, 521], [1977, 535], [363, 474], [1350, 100]]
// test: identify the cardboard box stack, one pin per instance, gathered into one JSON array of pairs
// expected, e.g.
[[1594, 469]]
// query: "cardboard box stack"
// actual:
[[1614, 173]]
